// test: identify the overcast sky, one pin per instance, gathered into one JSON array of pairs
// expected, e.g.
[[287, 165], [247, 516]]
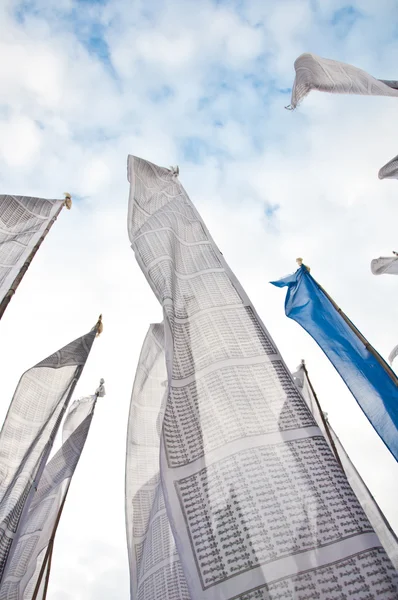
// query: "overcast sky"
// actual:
[[203, 85]]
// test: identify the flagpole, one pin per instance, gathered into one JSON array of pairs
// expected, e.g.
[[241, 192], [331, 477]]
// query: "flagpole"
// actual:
[[98, 327], [6, 300], [49, 550], [351, 325], [324, 421], [48, 572]]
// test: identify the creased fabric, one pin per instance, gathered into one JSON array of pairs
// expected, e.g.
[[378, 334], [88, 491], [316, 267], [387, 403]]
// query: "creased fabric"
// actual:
[[368, 377], [379, 523], [326, 75], [257, 503], [393, 355], [384, 264], [149, 537], [32, 421], [22, 222], [22, 571]]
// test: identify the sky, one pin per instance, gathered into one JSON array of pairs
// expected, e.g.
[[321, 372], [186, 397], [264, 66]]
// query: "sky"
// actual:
[[203, 85]]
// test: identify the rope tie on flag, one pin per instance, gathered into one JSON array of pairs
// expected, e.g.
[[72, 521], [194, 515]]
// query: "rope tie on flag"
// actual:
[[299, 261], [99, 326], [68, 200], [100, 391]]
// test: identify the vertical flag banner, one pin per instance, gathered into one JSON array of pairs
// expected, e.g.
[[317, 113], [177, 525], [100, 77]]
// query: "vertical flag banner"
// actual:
[[379, 523], [23, 223], [149, 537], [37, 530], [370, 380], [257, 503], [34, 416]]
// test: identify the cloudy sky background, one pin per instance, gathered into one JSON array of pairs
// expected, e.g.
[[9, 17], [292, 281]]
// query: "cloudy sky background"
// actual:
[[203, 85]]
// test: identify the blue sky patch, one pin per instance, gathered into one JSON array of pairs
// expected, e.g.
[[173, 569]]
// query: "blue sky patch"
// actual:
[[344, 19]]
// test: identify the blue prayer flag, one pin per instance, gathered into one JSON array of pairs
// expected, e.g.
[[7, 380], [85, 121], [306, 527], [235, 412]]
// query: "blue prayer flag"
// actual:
[[373, 385]]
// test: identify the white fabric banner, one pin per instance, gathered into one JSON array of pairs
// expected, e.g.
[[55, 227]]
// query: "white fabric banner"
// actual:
[[22, 571], [379, 523], [28, 432], [258, 505], [384, 264], [325, 75], [22, 222], [393, 355], [149, 537]]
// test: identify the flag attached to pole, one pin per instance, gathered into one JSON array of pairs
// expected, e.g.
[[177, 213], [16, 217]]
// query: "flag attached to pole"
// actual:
[[28, 432], [369, 378], [385, 264], [24, 222], [37, 530], [380, 524], [256, 501], [325, 75]]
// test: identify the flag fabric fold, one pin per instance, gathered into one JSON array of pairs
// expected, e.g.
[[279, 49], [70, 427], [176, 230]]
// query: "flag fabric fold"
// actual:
[[33, 418], [326, 75], [378, 521], [23, 221], [372, 384], [22, 571], [384, 264], [149, 537], [253, 495], [393, 355]]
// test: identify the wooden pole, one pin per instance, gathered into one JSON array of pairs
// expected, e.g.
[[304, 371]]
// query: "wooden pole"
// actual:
[[359, 335], [48, 571], [6, 300], [324, 421]]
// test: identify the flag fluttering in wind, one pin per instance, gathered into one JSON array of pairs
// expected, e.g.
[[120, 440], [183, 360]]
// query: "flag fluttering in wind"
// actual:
[[148, 530], [379, 523], [385, 264], [24, 221], [36, 533], [325, 75], [28, 432], [257, 504], [369, 378], [393, 355]]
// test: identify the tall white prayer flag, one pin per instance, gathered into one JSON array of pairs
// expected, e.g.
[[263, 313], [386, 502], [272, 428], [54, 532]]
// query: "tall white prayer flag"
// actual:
[[381, 526], [35, 413], [23, 221], [325, 75], [37, 530], [257, 503], [149, 537]]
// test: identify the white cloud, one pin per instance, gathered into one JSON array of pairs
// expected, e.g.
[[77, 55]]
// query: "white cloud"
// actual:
[[67, 123]]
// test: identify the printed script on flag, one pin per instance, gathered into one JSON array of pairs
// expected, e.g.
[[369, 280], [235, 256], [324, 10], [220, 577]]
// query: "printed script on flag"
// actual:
[[22, 222], [257, 504]]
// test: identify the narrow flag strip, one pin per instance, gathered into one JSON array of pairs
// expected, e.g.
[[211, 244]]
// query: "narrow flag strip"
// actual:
[[149, 537], [37, 530], [369, 378], [379, 522], [26, 438]]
